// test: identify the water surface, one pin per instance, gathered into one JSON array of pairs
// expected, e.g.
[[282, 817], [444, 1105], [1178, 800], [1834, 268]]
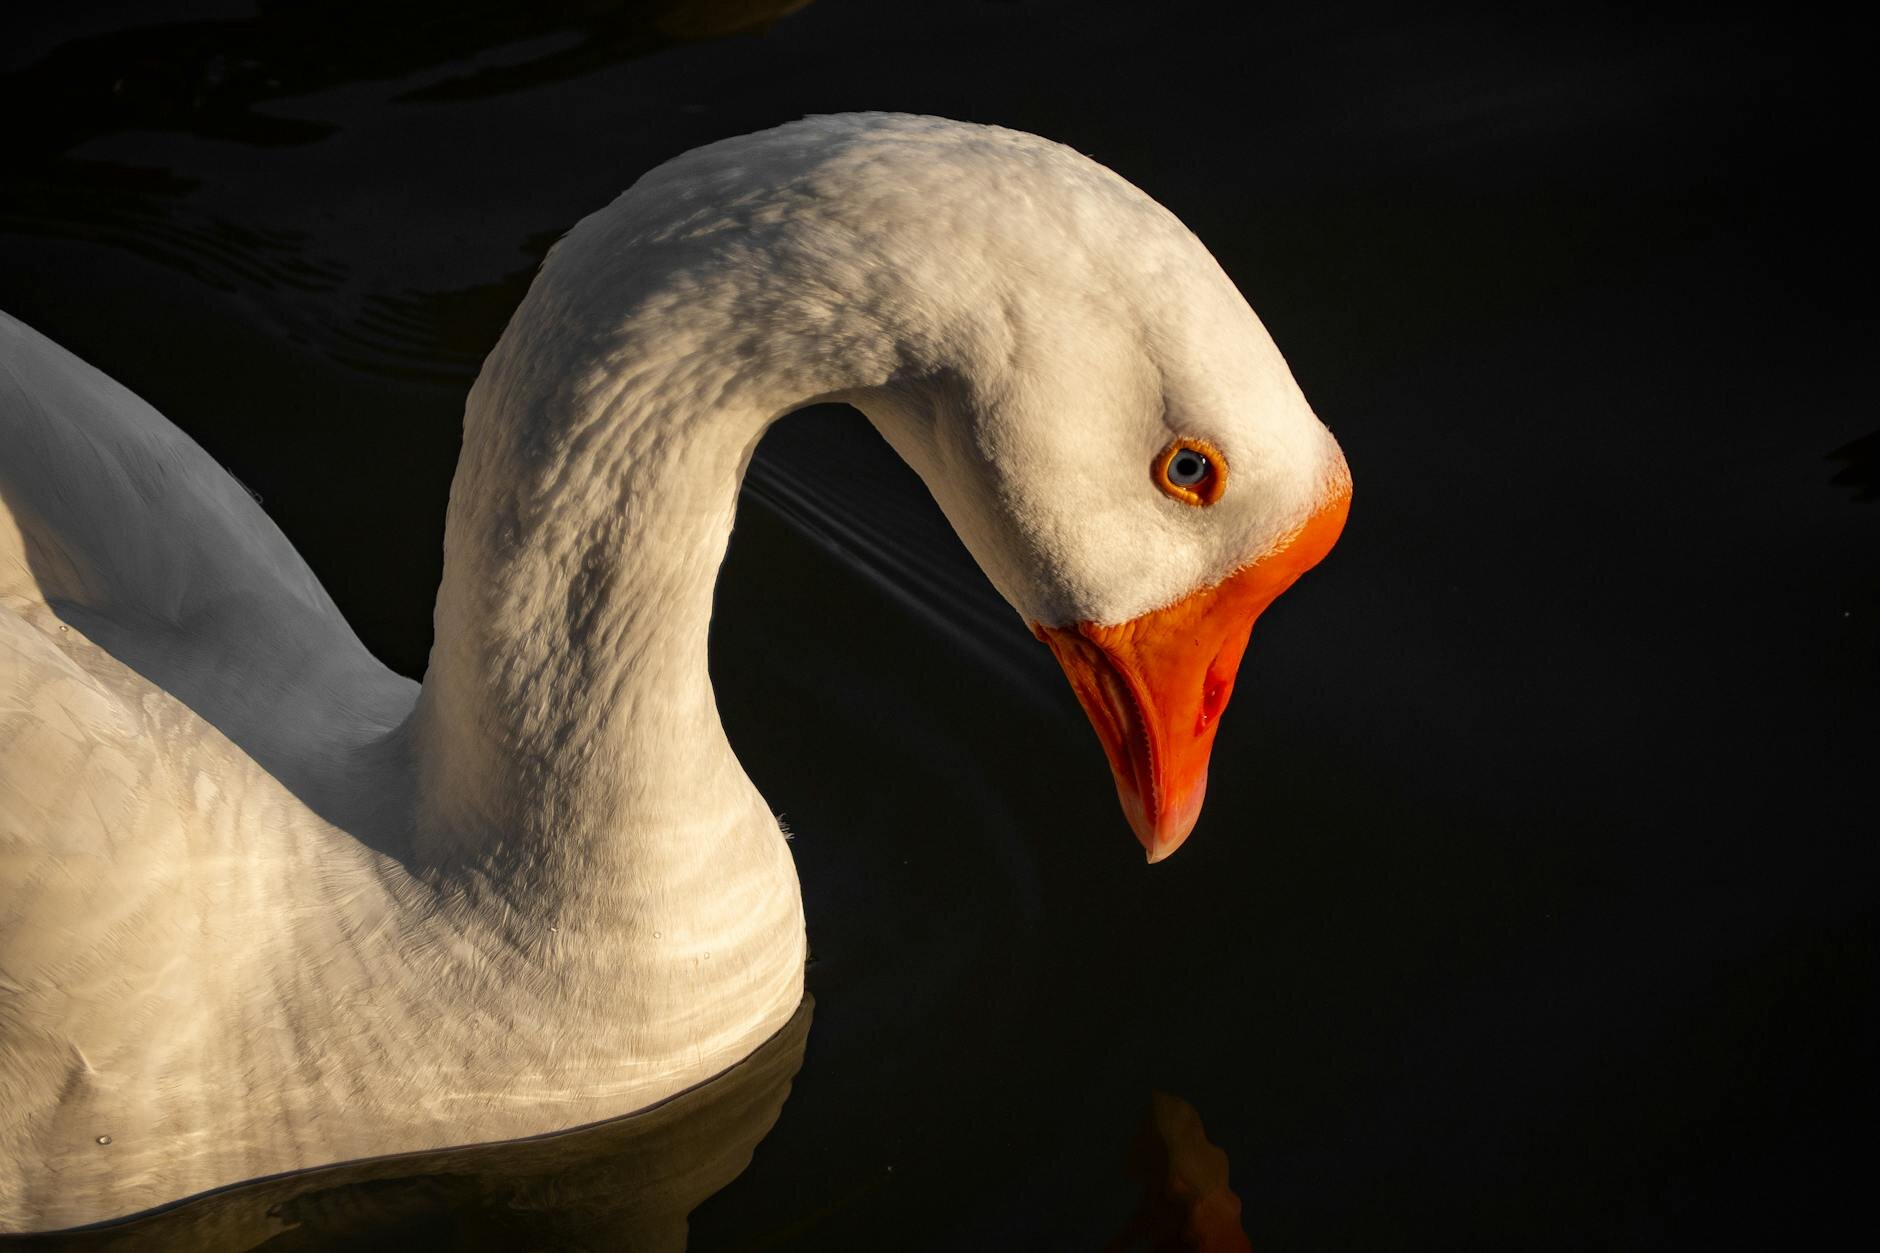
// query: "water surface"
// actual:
[[1534, 886]]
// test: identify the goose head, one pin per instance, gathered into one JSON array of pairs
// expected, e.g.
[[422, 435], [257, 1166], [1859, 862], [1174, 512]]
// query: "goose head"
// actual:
[[1084, 391], [1140, 509], [1118, 442]]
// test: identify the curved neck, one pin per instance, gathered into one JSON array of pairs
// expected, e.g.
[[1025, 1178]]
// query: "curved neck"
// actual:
[[567, 723]]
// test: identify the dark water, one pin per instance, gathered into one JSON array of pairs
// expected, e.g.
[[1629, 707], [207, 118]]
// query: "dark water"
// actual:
[[1534, 903]]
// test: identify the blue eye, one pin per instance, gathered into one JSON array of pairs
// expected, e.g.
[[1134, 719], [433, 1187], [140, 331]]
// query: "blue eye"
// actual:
[[1187, 468], [1191, 470]]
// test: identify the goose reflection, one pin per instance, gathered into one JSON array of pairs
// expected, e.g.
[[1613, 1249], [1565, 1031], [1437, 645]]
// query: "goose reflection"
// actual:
[[1187, 1204], [626, 1184]]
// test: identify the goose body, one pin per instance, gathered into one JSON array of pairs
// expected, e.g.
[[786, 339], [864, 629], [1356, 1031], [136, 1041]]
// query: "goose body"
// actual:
[[265, 905], [211, 946]]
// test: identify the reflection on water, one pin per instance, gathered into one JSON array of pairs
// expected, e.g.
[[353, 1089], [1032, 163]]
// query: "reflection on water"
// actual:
[[628, 1184], [1187, 1205], [625, 1184]]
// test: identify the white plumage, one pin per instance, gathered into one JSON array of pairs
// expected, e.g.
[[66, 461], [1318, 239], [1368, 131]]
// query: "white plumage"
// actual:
[[266, 905]]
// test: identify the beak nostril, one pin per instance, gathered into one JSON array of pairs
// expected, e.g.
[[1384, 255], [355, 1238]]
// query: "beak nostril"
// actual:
[[1213, 701], [1219, 683]]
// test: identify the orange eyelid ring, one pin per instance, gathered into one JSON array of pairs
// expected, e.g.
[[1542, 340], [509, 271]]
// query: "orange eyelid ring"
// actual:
[[1204, 491]]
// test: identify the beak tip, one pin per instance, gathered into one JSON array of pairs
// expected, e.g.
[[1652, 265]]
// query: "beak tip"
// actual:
[[1160, 844], [1162, 850], [1160, 834]]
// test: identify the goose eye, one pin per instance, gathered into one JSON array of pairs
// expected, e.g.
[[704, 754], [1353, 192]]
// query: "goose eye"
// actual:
[[1192, 471], [1187, 467]]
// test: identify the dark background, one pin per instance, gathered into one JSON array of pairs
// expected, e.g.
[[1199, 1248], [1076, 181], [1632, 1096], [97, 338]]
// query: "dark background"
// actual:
[[1534, 903]]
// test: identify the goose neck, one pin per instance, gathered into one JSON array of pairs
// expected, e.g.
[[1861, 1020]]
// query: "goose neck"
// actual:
[[567, 719]]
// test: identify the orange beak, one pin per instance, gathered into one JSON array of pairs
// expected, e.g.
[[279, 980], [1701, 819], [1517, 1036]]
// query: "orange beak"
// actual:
[[1155, 687]]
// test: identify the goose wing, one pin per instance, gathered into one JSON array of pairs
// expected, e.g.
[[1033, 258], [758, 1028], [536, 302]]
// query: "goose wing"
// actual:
[[163, 650]]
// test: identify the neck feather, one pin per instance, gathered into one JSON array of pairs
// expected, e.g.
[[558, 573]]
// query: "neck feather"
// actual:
[[567, 727]]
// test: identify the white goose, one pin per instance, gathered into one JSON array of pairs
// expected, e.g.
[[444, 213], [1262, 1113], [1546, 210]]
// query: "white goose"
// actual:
[[265, 904]]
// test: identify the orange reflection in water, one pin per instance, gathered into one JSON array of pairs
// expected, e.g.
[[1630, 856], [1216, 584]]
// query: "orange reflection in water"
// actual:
[[1186, 1205]]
